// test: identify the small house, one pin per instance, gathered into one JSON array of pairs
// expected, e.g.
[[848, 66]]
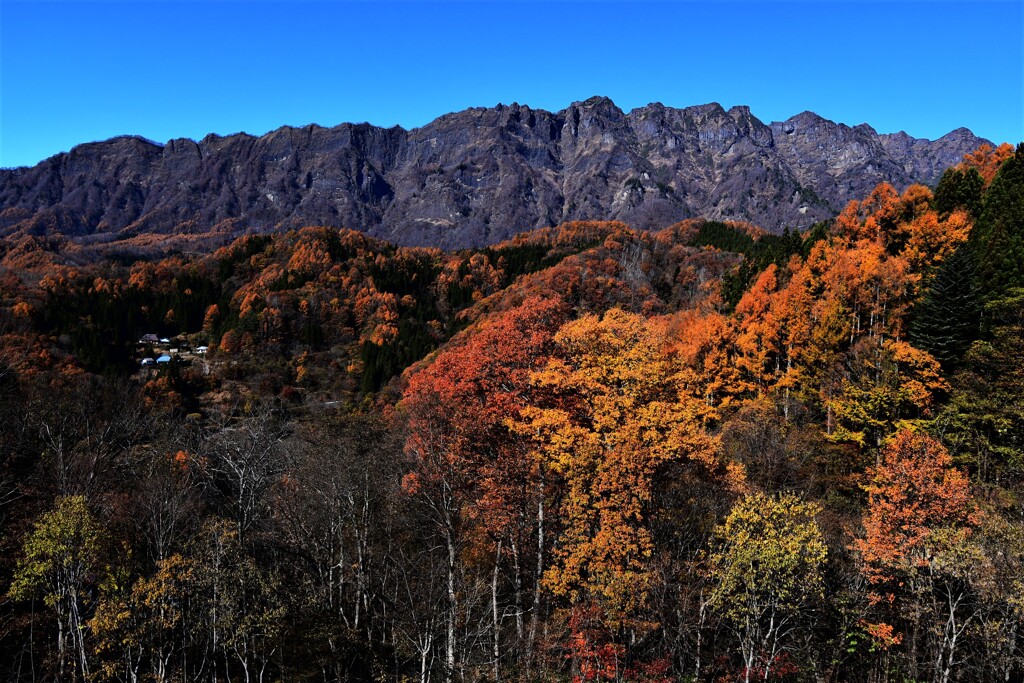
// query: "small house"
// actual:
[[163, 359], [147, 361], [149, 339]]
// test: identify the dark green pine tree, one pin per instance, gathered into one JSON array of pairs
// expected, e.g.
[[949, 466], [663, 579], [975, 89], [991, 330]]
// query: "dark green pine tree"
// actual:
[[946, 319], [819, 231], [998, 237], [983, 422], [959, 190]]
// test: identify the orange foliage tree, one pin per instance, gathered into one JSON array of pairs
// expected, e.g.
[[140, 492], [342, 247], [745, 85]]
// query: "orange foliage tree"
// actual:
[[917, 551], [831, 327], [612, 415], [467, 467], [988, 160]]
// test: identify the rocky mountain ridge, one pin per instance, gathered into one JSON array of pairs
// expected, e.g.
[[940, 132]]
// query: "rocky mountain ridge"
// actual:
[[473, 177]]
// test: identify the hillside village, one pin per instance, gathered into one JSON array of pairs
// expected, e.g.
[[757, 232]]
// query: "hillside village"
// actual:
[[153, 351]]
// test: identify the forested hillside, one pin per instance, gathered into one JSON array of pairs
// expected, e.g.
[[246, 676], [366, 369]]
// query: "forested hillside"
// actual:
[[590, 453]]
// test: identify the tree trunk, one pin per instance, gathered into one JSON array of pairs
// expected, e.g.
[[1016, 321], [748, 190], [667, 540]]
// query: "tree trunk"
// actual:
[[534, 618], [78, 638], [496, 649], [518, 592], [61, 647], [449, 657]]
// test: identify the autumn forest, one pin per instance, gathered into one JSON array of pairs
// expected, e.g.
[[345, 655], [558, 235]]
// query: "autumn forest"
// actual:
[[590, 453]]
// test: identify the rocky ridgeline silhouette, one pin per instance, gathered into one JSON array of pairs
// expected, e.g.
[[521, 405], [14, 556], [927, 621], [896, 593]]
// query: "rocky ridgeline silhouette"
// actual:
[[474, 177]]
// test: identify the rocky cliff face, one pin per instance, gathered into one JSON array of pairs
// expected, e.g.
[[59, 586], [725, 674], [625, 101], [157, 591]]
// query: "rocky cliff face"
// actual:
[[475, 177]]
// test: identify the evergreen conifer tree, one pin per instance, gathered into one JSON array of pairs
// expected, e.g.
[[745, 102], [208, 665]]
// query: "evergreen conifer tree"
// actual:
[[998, 237], [947, 317], [959, 189]]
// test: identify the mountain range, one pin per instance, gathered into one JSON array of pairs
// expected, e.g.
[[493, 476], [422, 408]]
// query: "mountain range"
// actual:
[[474, 177]]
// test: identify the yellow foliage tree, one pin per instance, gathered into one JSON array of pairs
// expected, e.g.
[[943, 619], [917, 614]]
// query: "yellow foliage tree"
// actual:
[[767, 570], [614, 416]]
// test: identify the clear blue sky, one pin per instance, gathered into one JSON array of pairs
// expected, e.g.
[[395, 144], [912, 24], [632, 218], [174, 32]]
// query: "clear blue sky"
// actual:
[[82, 71]]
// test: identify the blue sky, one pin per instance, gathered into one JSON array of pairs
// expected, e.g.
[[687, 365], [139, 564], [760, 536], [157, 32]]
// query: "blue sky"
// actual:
[[82, 71]]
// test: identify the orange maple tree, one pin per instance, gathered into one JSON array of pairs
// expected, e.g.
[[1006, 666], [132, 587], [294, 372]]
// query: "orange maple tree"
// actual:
[[918, 551], [912, 493]]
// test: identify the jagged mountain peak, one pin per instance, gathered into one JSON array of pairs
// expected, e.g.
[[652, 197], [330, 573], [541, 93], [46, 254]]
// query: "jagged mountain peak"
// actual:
[[741, 111], [708, 109], [598, 102]]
